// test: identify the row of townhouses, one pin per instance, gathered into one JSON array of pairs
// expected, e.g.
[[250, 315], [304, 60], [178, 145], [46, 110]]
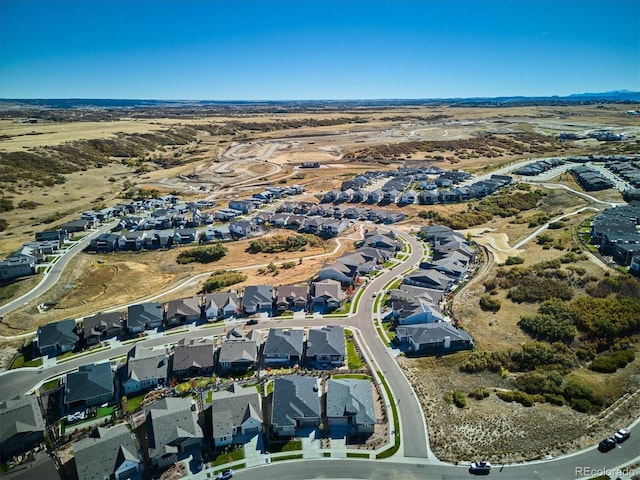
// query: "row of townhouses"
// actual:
[[616, 231], [414, 306]]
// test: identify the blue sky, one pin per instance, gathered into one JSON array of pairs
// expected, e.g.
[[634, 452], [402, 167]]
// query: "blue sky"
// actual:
[[329, 49]]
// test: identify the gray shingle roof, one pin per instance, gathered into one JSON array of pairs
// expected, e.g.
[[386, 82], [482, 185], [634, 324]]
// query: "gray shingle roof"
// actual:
[[56, 333], [351, 397], [288, 342], [233, 407], [19, 416], [96, 324], [143, 314], [101, 454], [143, 363], [169, 422], [193, 353], [326, 341], [184, 306], [90, 381], [255, 294], [295, 398], [433, 333], [238, 349]]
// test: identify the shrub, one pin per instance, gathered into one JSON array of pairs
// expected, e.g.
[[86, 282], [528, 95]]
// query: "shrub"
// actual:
[[207, 254], [581, 405], [458, 398], [490, 304], [554, 399], [609, 363], [514, 260], [221, 279], [479, 393]]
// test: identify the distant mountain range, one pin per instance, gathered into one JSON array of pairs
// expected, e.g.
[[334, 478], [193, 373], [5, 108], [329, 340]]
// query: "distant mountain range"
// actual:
[[69, 103]]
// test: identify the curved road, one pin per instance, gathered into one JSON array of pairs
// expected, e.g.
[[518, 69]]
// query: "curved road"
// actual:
[[50, 278]]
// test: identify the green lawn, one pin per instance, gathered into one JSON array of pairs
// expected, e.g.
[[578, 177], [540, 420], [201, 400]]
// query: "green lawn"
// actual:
[[396, 422], [356, 376], [51, 385], [292, 446], [105, 411], [353, 359], [134, 402], [228, 457], [19, 362], [286, 457], [357, 455]]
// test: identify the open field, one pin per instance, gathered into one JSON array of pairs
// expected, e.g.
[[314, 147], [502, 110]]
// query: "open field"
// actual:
[[95, 283]]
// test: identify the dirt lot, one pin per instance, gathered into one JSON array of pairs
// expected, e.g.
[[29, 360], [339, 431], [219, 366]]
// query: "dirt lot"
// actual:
[[93, 283]]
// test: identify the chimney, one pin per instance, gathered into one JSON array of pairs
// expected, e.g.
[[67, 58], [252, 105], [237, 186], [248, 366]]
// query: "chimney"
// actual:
[[447, 342]]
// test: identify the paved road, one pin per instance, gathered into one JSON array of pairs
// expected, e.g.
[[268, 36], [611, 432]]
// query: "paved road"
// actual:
[[582, 465], [414, 435]]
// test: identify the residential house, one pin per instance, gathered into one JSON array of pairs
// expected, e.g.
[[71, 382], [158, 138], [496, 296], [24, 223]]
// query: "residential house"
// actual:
[[428, 279], [236, 415], [16, 267], [105, 243], [243, 228], [172, 431], [131, 241], [292, 297], [383, 240], [221, 305], [258, 299], [91, 385], [326, 296], [226, 214], [433, 338], [220, 232], [144, 316], [21, 426], [283, 347], [183, 310], [144, 370], [330, 196], [244, 206], [193, 358], [56, 338], [345, 274], [350, 404], [409, 197], [183, 236], [108, 453], [417, 310], [295, 404], [238, 353], [57, 235], [332, 228], [326, 346], [408, 293], [374, 196], [101, 326], [448, 266], [76, 226]]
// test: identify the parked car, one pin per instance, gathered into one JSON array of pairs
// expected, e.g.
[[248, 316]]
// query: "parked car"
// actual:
[[253, 321], [621, 435], [480, 468], [607, 444], [225, 474]]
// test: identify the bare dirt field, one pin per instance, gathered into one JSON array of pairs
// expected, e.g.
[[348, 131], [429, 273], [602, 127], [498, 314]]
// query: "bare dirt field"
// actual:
[[94, 283]]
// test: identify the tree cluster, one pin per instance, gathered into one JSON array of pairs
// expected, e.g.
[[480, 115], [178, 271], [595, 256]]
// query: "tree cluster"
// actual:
[[207, 254]]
